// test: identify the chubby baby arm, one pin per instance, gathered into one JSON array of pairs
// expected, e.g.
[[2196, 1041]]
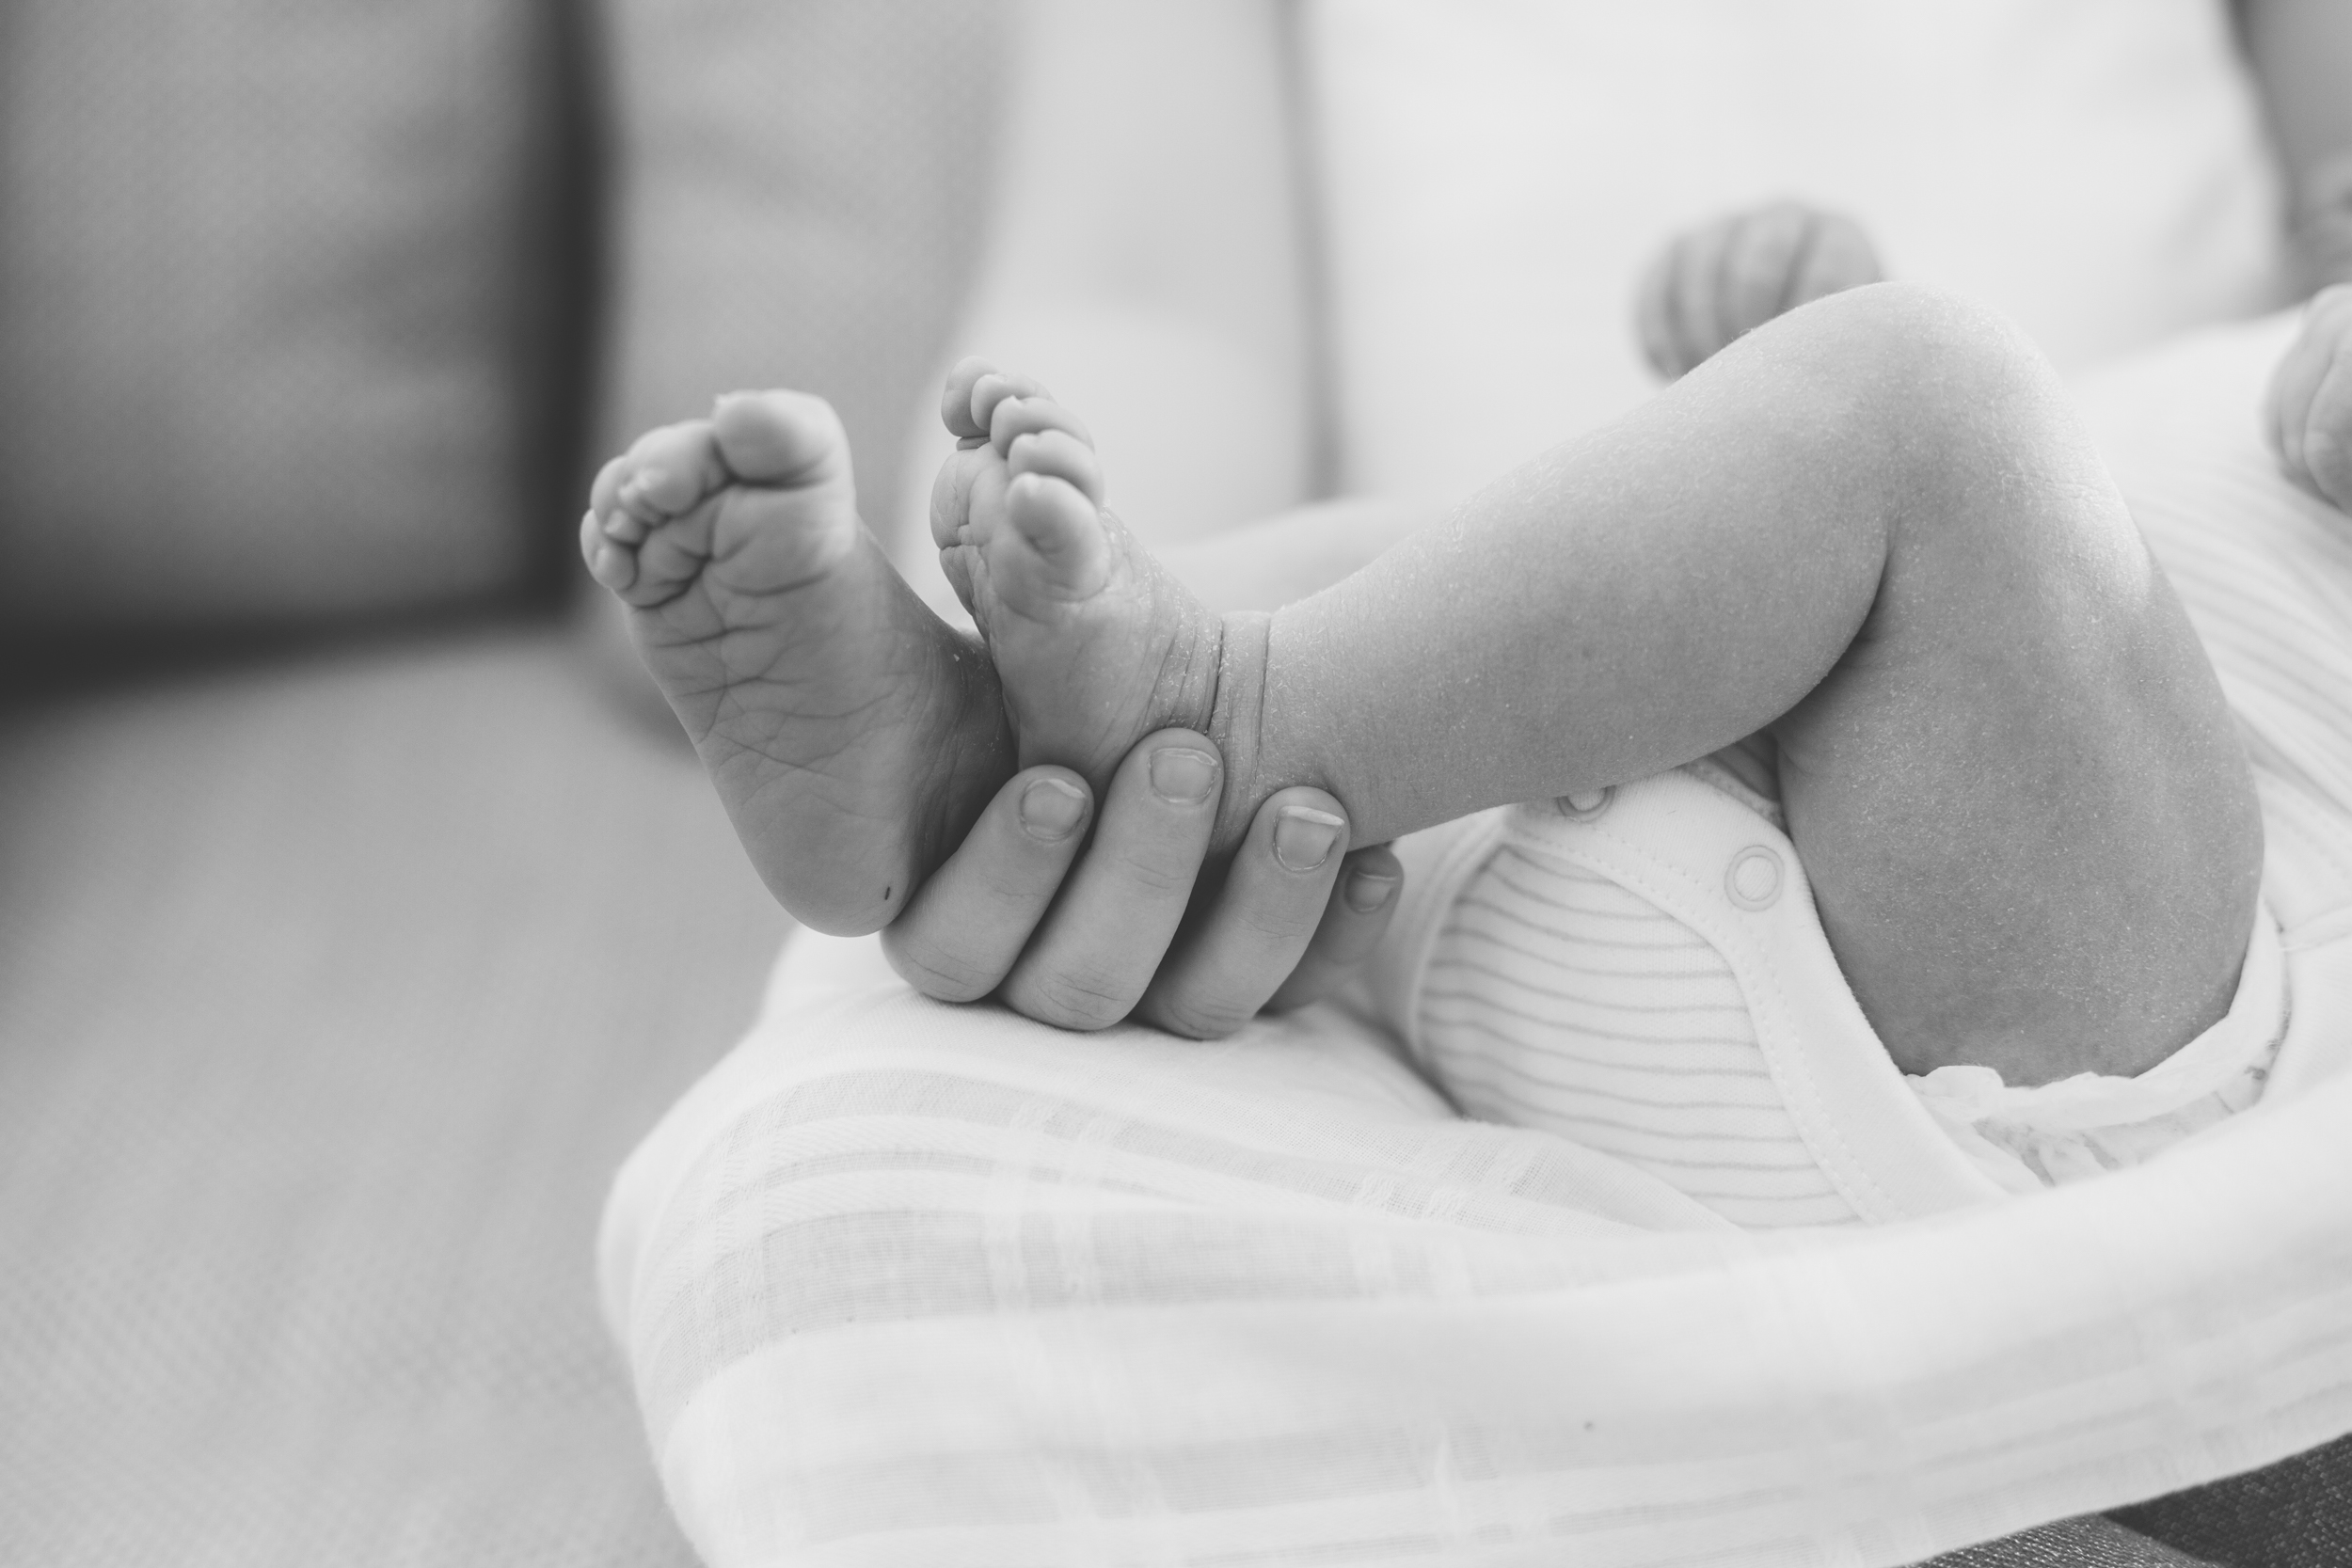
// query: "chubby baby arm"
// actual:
[[2307, 417]]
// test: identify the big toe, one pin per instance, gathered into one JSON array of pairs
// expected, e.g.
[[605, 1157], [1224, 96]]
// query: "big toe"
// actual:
[[1056, 551], [1058, 454], [780, 437]]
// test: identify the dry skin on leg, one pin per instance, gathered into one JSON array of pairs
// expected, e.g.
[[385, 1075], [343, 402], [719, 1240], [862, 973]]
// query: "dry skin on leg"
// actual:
[[1873, 531]]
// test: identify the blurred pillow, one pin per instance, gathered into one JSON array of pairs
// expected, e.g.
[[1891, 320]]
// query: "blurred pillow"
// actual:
[[1497, 171], [799, 189], [266, 301]]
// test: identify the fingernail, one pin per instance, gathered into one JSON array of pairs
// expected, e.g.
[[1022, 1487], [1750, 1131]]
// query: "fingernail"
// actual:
[[1368, 890], [1051, 810], [1303, 836], [1182, 776]]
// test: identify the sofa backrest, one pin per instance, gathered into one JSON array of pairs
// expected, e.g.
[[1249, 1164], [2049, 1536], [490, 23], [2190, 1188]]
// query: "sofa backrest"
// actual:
[[282, 302], [295, 314]]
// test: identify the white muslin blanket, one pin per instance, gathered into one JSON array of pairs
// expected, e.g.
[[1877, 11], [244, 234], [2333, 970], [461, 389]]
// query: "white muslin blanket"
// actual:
[[908, 1284], [905, 1283]]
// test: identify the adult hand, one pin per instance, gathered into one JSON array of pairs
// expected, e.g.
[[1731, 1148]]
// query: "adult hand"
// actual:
[[1735, 273], [2309, 414], [1081, 932]]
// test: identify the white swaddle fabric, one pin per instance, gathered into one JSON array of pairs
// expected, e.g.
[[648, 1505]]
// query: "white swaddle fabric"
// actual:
[[1496, 173], [904, 1283]]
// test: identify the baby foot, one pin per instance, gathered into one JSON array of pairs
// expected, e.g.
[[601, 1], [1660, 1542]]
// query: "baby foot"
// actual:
[[852, 736], [1096, 644]]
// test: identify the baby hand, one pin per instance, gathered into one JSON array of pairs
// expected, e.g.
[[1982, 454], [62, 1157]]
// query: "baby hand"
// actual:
[[1735, 273], [2309, 414]]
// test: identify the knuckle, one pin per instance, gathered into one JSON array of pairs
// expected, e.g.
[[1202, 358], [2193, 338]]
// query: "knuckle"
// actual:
[[942, 976], [1158, 877], [1199, 1017], [1084, 999]]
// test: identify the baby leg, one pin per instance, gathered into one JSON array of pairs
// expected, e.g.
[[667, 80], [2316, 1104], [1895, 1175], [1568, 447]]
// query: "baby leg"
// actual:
[[1873, 531], [1869, 529]]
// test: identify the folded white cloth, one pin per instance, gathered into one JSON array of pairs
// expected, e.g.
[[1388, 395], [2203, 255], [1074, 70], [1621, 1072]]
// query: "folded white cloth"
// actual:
[[902, 1283]]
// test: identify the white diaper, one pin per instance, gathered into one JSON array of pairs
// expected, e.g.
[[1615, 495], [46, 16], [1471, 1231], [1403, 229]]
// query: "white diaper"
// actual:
[[1644, 974]]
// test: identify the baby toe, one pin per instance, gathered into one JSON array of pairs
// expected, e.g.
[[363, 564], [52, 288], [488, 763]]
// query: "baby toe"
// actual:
[[1031, 416], [955, 398], [1058, 454], [780, 438], [1055, 550], [668, 470], [613, 566], [604, 494], [994, 389], [623, 526]]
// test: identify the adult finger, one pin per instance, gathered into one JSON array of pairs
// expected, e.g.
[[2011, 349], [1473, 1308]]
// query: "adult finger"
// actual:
[[1238, 951], [964, 929], [1096, 949], [1363, 902]]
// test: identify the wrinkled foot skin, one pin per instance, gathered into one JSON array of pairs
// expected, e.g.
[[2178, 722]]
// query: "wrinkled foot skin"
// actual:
[[851, 736], [1096, 644]]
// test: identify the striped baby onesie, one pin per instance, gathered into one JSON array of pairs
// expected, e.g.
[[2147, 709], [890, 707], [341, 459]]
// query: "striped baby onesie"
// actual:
[[1556, 997], [1644, 974]]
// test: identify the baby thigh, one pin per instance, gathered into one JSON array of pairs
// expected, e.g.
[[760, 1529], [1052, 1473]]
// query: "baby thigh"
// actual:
[[2029, 826]]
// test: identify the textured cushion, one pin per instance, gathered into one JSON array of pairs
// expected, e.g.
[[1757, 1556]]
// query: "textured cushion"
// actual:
[[270, 280], [2091, 1543], [329, 998], [2298, 1513], [797, 192]]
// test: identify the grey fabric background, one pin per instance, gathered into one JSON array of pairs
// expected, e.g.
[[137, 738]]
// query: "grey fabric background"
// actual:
[[334, 985], [273, 289], [330, 996]]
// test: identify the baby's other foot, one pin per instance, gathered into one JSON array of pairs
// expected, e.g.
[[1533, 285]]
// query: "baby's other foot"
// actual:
[[1097, 645], [2308, 418], [853, 737]]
